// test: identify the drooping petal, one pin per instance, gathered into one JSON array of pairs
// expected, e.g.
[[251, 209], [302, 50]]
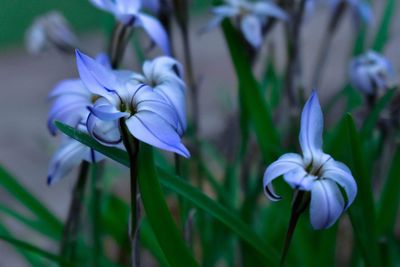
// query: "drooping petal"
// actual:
[[251, 29], [286, 163], [270, 10], [226, 11], [105, 132], [98, 79], [156, 31], [326, 205], [154, 130], [341, 174], [312, 125]]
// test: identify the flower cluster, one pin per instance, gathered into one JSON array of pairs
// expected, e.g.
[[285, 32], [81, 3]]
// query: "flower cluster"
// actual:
[[314, 171]]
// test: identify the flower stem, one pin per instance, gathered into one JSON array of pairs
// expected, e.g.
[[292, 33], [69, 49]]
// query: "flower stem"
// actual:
[[300, 203], [120, 37], [69, 237], [132, 147], [96, 174]]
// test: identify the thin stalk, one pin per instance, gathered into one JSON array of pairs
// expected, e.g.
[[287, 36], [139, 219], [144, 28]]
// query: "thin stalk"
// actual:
[[293, 66], [96, 174], [70, 232], [325, 47], [120, 37], [132, 147], [300, 203]]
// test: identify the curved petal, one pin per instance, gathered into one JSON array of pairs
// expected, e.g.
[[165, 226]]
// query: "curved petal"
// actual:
[[251, 29], [105, 132], [341, 174], [226, 11], [106, 111], [312, 124], [156, 31], [68, 156], [71, 86], [269, 9], [98, 79], [283, 165], [106, 5], [326, 205], [154, 130]]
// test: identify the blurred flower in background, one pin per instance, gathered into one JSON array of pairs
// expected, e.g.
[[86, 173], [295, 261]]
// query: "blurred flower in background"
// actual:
[[371, 73], [50, 30], [250, 15], [129, 13]]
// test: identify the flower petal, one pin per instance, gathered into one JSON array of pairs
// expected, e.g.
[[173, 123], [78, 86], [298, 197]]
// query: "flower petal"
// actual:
[[106, 111], [98, 79], [269, 9], [312, 124], [326, 205], [156, 31], [299, 179], [251, 29], [105, 132], [68, 87], [341, 174], [154, 130], [286, 163]]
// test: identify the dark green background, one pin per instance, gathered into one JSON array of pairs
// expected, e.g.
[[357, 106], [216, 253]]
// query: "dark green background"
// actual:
[[17, 15]]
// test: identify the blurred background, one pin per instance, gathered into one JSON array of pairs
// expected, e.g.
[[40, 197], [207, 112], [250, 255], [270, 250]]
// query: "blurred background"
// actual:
[[25, 143]]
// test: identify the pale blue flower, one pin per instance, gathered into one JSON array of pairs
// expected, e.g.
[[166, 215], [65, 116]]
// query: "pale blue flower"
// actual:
[[314, 171], [129, 13], [371, 73], [251, 15], [50, 30], [148, 115], [70, 102]]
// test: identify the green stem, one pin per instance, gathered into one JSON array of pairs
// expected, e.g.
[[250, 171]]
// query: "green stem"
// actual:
[[97, 170], [300, 203], [69, 238], [132, 147]]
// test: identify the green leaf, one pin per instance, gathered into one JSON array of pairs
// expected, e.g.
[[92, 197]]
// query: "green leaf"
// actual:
[[11, 185], [256, 107], [189, 192], [36, 250], [158, 214], [362, 211], [390, 198], [384, 27], [36, 225], [373, 117], [31, 258]]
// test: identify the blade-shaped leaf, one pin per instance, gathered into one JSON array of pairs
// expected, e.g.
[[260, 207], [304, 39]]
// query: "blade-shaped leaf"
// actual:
[[158, 214], [257, 108], [189, 192], [384, 27], [36, 250], [11, 185], [362, 212], [390, 198]]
